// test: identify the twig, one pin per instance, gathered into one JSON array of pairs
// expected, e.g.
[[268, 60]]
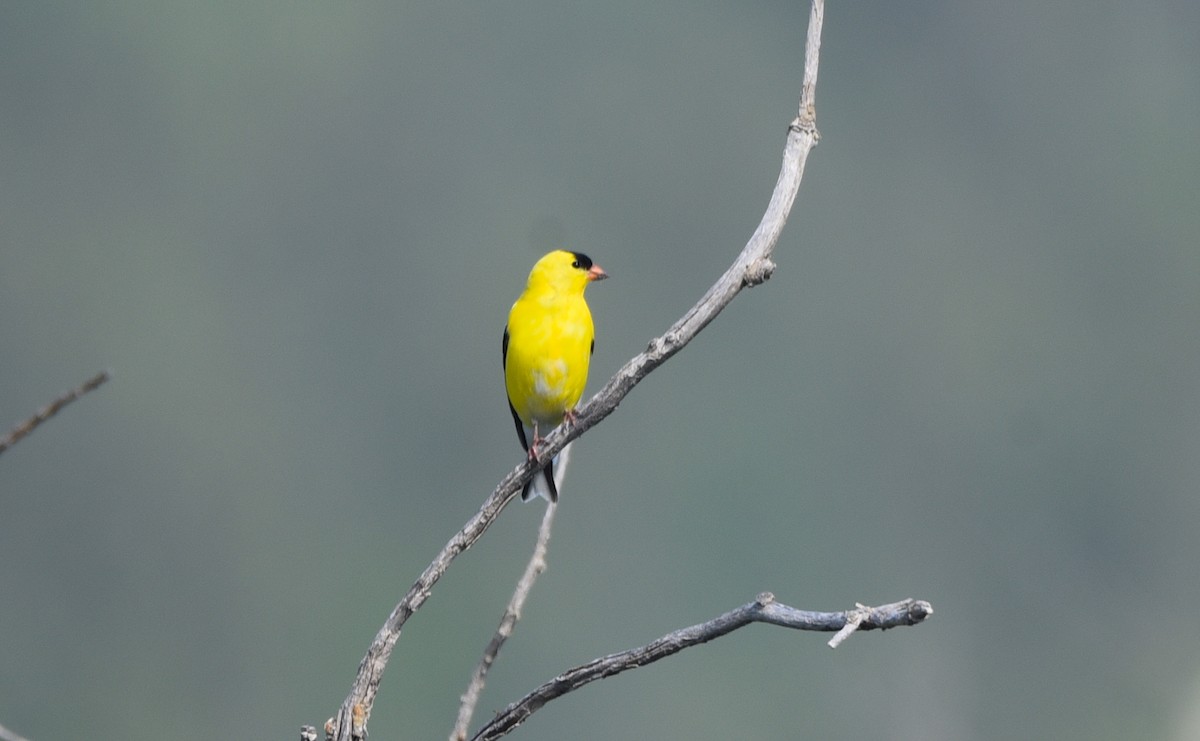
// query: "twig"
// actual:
[[751, 267], [22, 430], [854, 621], [536, 565], [49, 411], [512, 613], [763, 610]]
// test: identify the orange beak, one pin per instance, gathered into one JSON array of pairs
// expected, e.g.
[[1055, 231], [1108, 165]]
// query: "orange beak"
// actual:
[[595, 272]]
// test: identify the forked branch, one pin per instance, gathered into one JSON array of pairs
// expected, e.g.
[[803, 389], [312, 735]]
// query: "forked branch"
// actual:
[[763, 610], [752, 266], [512, 613]]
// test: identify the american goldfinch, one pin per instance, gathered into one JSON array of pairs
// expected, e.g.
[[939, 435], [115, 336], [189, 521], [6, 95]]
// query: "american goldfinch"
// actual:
[[547, 346]]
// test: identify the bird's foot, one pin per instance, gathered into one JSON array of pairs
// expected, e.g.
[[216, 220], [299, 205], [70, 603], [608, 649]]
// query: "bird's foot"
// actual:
[[533, 445], [570, 418]]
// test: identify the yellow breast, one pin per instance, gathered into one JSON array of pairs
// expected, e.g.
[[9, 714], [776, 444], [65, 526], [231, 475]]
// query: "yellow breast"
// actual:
[[549, 349]]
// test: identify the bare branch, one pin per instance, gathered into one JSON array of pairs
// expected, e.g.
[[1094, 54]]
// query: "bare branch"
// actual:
[[536, 565], [49, 411], [512, 613], [763, 610], [751, 267]]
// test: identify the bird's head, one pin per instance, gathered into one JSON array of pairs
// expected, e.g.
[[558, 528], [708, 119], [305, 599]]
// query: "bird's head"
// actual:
[[564, 271]]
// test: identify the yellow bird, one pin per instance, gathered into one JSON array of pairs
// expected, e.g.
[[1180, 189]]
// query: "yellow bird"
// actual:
[[548, 344]]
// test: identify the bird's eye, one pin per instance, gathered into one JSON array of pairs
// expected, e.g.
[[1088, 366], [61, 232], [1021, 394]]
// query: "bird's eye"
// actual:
[[575, 264]]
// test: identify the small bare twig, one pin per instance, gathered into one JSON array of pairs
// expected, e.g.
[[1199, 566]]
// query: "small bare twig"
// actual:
[[512, 613], [508, 622], [23, 430], [752, 266], [536, 565], [763, 610], [854, 621], [48, 411]]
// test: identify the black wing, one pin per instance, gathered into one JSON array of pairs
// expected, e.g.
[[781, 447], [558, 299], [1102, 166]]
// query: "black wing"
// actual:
[[516, 419]]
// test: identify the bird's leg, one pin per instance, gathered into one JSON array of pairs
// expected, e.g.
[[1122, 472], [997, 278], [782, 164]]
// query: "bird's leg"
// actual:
[[570, 418], [533, 446]]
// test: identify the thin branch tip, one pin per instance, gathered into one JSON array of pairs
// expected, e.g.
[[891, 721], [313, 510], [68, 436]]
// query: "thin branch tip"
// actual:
[[764, 609], [918, 611], [28, 426], [885, 617]]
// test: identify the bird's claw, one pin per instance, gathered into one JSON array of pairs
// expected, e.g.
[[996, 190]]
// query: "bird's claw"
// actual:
[[533, 448]]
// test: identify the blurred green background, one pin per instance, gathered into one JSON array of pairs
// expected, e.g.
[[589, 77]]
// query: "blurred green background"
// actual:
[[292, 230]]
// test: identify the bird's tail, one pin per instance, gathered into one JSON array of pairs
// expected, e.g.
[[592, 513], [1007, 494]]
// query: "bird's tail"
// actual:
[[548, 481]]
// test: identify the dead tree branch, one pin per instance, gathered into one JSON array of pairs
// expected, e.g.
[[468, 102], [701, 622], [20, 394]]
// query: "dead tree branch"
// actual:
[[763, 610], [751, 267], [512, 613], [536, 565], [48, 411]]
